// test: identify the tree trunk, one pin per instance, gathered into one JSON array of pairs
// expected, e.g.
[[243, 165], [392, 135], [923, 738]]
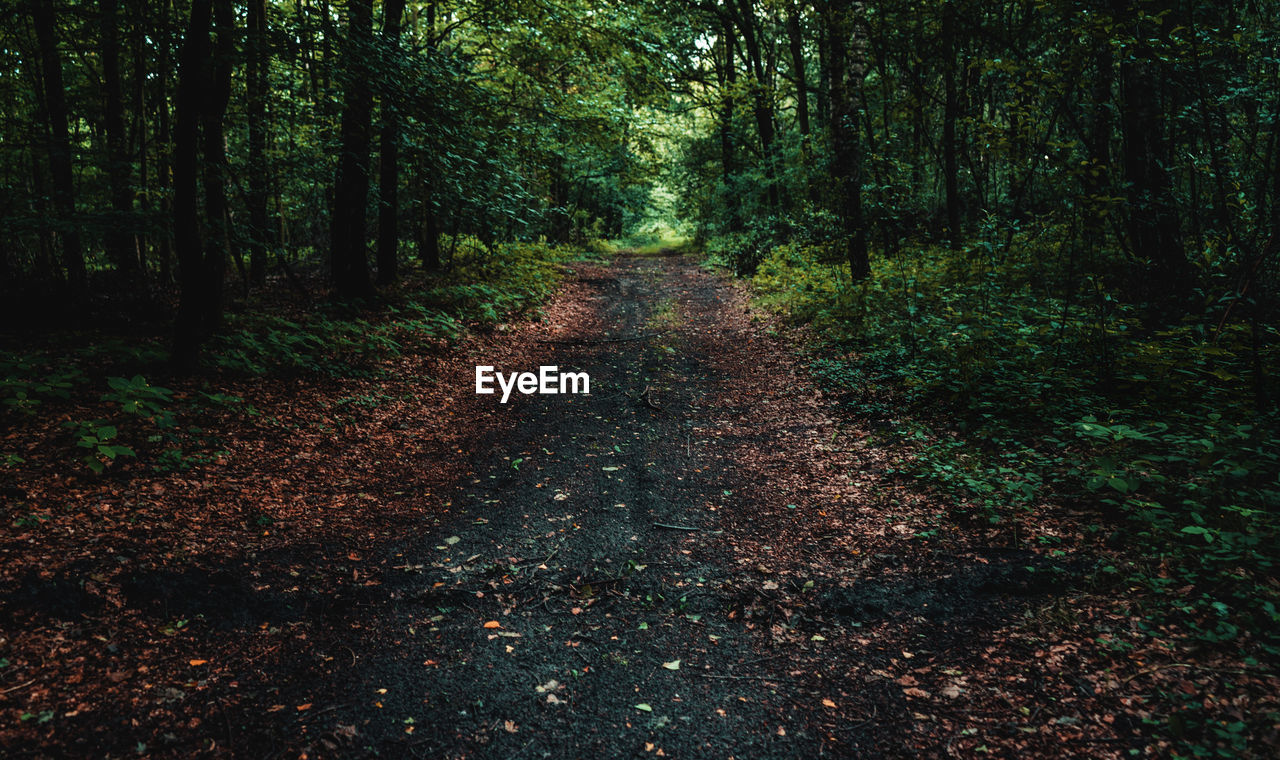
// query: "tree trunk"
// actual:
[[349, 259], [389, 159], [189, 103], [760, 98], [204, 90], [1153, 225], [59, 147], [847, 72], [141, 243], [950, 170], [120, 248], [728, 152], [164, 145], [795, 41], [256, 87]]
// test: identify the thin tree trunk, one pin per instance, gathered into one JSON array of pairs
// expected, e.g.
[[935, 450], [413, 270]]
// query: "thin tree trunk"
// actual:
[[164, 153], [349, 258], [189, 103], [389, 159], [259, 173], [795, 42], [119, 246], [950, 171], [1155, 232], [848, 69], [760, 98], [728, 152], [140, 242], [59, 147]]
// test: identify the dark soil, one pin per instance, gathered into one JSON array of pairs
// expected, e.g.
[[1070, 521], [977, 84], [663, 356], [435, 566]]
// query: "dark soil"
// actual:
[[698, 559]]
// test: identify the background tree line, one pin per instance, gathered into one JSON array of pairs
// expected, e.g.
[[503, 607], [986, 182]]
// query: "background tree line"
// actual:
[[1149, 129], [184, 144]]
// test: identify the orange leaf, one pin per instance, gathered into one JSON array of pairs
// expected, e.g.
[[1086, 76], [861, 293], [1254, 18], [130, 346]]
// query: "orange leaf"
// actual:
[[493, 624], [827, 702], [307, 706], [196, 663]]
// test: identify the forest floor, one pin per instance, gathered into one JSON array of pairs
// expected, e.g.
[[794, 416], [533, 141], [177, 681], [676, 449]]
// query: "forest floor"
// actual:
[[702, 558]]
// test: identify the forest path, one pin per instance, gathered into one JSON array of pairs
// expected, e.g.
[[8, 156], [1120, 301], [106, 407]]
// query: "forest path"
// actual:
[[695, 560]]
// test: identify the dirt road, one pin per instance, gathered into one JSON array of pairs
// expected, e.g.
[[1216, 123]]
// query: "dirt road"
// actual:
[[700, 558]]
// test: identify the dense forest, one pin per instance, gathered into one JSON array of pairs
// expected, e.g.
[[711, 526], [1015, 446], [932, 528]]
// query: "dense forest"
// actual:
[[1028, 249]]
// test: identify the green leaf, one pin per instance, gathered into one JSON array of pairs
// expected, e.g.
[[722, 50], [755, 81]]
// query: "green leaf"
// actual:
[[644, 707]]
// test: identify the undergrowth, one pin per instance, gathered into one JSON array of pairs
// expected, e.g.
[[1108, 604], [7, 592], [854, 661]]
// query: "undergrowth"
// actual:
[[111, 415], [1015, 386]]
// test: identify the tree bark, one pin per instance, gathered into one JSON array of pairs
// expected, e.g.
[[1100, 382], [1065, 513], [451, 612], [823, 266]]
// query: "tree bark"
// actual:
[[260, 230], [204, 91], [848, 69], [950, 170], [59, 147], [795, 42], [193, 86], [119, 247], [349, 259], [389, 159], [760, 96], [1153, 225], [728, 151]]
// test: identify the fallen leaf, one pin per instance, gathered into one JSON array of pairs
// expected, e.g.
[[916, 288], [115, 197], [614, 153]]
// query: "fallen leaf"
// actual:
[[302, 708], [196, 663], [916, 692], [673, 665], [826, 702], [510, 726], [451, 540], [643, 706], [493, 624]]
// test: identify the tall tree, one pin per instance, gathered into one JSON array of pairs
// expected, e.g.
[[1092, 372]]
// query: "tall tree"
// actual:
[[349, 257], [59, 148], [950, 167], [389, 158], [256, 88], [204, 89], [744, 13], [121, 248], [1153, 225], [848, 70]]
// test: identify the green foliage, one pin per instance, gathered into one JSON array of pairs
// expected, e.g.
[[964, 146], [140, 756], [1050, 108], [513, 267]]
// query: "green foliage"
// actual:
[[1012, 387], [137, 397], [99, 439], [484, 286], [25, 385]]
